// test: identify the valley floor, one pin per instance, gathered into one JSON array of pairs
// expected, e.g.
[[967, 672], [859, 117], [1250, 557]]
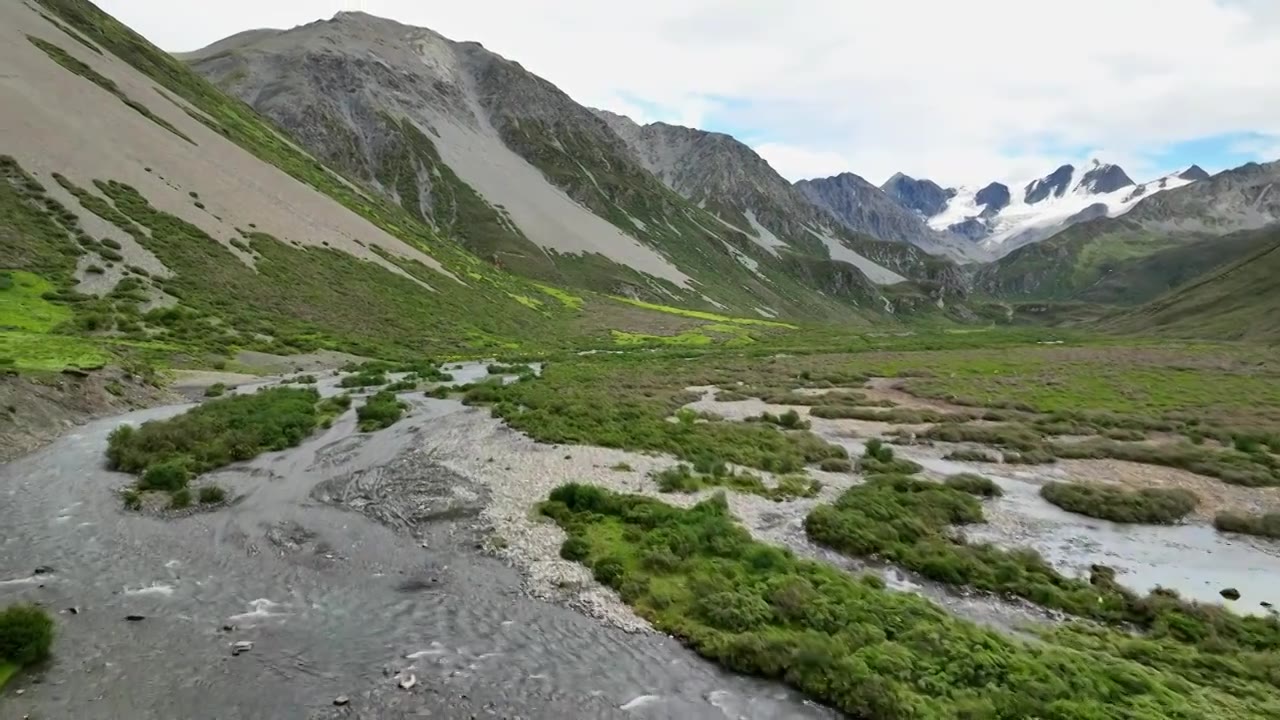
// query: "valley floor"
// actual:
[[285, 566]]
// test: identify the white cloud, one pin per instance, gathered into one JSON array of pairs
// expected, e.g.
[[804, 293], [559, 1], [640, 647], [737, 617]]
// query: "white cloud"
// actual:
[[961, 92]]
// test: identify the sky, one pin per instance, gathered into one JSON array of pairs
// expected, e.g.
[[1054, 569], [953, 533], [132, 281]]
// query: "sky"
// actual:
[[958, 92]]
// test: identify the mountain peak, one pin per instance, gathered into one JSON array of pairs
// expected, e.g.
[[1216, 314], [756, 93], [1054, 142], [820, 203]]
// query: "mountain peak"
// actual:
[[1054, 184], [1102, 178], [1194, 173], [923, 196]]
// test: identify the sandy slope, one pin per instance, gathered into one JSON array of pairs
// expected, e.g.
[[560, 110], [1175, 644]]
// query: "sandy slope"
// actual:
[[52, 120]]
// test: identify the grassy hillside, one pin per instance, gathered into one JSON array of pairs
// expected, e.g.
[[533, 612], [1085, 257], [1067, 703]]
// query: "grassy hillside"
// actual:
[[1239, 302], [104, 262]]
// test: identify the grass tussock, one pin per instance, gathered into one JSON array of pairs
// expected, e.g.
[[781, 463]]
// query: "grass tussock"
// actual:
[[974, 485], [1266, 525], [26, 635], [878, 459], [790, 420], [1149, 506]]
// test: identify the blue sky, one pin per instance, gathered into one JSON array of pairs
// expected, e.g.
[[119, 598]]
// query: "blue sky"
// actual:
[[959, 92]]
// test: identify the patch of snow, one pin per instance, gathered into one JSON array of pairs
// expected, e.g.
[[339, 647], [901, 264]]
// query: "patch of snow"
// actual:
[[762, 236], [874, 271], [746, 260], [766, 312], [721, 306]]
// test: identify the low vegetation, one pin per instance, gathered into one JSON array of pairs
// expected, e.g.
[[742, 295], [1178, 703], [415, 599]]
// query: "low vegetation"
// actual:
[[974, 485], [870, 652], [363, 379], [1266, 525], [215, 390], [878, 459], [500, 369], [635, 403], [685, 479], [1150, 506], [381, 410], [908, 521], [26, 636], [790, 420], [166, 454]]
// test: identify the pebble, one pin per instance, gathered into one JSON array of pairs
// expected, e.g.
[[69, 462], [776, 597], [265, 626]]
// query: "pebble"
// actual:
[[407, 681], [341, 700], [135, 618], [241, 646]]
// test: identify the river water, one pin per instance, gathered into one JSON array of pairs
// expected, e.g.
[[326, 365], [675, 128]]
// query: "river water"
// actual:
[[351, 564]]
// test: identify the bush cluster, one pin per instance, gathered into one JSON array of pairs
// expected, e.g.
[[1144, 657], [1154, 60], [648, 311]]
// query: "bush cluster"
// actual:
[[381, 410], [871, 652], [1267, 525], [1150, 506], [166, 454]]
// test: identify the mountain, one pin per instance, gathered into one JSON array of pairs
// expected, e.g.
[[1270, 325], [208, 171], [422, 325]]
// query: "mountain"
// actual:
[[480, 148], [923, 196], [1001, 219], [1166, 238], [865, 208], [731, 181], [1238, 302]]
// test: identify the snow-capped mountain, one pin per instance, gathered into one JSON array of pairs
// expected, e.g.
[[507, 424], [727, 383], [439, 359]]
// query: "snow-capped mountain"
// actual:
[[1003, 217]]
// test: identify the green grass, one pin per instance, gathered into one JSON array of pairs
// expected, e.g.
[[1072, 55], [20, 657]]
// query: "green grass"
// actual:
[[1151, 506], [569, 300], [870, 652], [63, 58], [630, 403], [22, 306], [7, 671], [692, 338], [700, 315]]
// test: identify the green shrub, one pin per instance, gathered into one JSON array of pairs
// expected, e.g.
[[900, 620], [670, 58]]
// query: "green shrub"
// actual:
[[974, 485], [622, 467], [870, 652], [215, 390], [836, 465], [304, 380], [26, 635], [215, 433], [180, 499], [1153, 506], [170, 475], [111, 243], [364, 378], [878, 459], [500, 369], [381, 410], [971, 455], [212, 494], [1267, 525]]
